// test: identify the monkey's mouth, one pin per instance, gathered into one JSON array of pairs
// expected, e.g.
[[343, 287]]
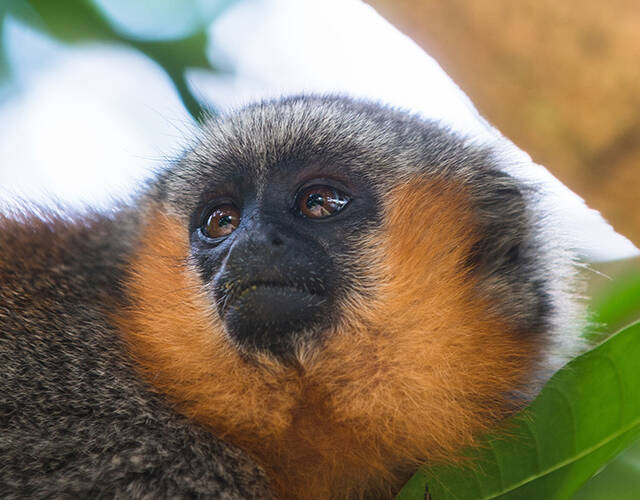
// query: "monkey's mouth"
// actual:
[[267, 315], [277, 289]]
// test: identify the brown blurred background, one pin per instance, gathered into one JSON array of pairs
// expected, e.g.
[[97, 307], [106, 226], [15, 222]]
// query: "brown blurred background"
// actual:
[[560, 79]]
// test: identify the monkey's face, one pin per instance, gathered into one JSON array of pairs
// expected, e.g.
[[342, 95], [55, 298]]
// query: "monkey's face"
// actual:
[[279, 251], [283, 202], [279, 208]]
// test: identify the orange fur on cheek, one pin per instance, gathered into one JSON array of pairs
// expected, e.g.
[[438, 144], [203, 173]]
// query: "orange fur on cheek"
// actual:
[[176, 336], [411, 375]]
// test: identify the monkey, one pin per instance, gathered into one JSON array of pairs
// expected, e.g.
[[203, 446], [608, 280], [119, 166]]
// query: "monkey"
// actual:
[[321, 294]]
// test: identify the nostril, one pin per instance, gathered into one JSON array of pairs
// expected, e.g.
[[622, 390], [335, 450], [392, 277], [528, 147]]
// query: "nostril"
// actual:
[[276, 241]]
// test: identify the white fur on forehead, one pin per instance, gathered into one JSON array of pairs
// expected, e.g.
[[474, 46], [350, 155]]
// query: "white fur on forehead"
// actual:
[[344, 46]]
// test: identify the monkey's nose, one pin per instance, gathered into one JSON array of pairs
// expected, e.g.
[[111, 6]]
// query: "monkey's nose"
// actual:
[[268, 315]]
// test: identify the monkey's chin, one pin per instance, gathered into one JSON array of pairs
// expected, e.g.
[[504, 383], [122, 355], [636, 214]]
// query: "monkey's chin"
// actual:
[[273, 319]]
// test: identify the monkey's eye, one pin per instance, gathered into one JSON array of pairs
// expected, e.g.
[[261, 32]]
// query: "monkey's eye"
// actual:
[[222, 221], [318, 202]]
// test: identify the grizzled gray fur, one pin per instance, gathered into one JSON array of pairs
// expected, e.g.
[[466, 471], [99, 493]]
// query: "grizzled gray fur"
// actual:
[[75, 421]]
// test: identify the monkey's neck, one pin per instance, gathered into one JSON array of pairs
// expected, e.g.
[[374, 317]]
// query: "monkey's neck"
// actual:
[[318, 454]]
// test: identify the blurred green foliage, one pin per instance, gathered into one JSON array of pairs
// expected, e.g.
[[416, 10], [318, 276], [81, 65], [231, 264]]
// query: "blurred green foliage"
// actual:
[[84, 21]]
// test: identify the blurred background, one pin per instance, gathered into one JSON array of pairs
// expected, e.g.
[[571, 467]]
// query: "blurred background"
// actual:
[[560, 79], [96, 93]]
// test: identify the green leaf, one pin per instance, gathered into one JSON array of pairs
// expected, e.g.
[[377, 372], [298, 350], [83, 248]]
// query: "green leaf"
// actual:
[[586, 414], [620, 479]]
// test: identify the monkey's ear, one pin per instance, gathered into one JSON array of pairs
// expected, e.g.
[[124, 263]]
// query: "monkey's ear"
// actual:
[[583, 229], [344, 46]]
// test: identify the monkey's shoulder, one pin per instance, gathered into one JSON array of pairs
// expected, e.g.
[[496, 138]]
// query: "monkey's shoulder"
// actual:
[[75, 419]]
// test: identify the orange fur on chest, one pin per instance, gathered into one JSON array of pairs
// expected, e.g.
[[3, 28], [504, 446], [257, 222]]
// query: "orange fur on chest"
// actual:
[[410, 375]]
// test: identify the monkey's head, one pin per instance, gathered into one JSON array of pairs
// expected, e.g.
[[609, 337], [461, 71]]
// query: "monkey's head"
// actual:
[[338, 286]]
